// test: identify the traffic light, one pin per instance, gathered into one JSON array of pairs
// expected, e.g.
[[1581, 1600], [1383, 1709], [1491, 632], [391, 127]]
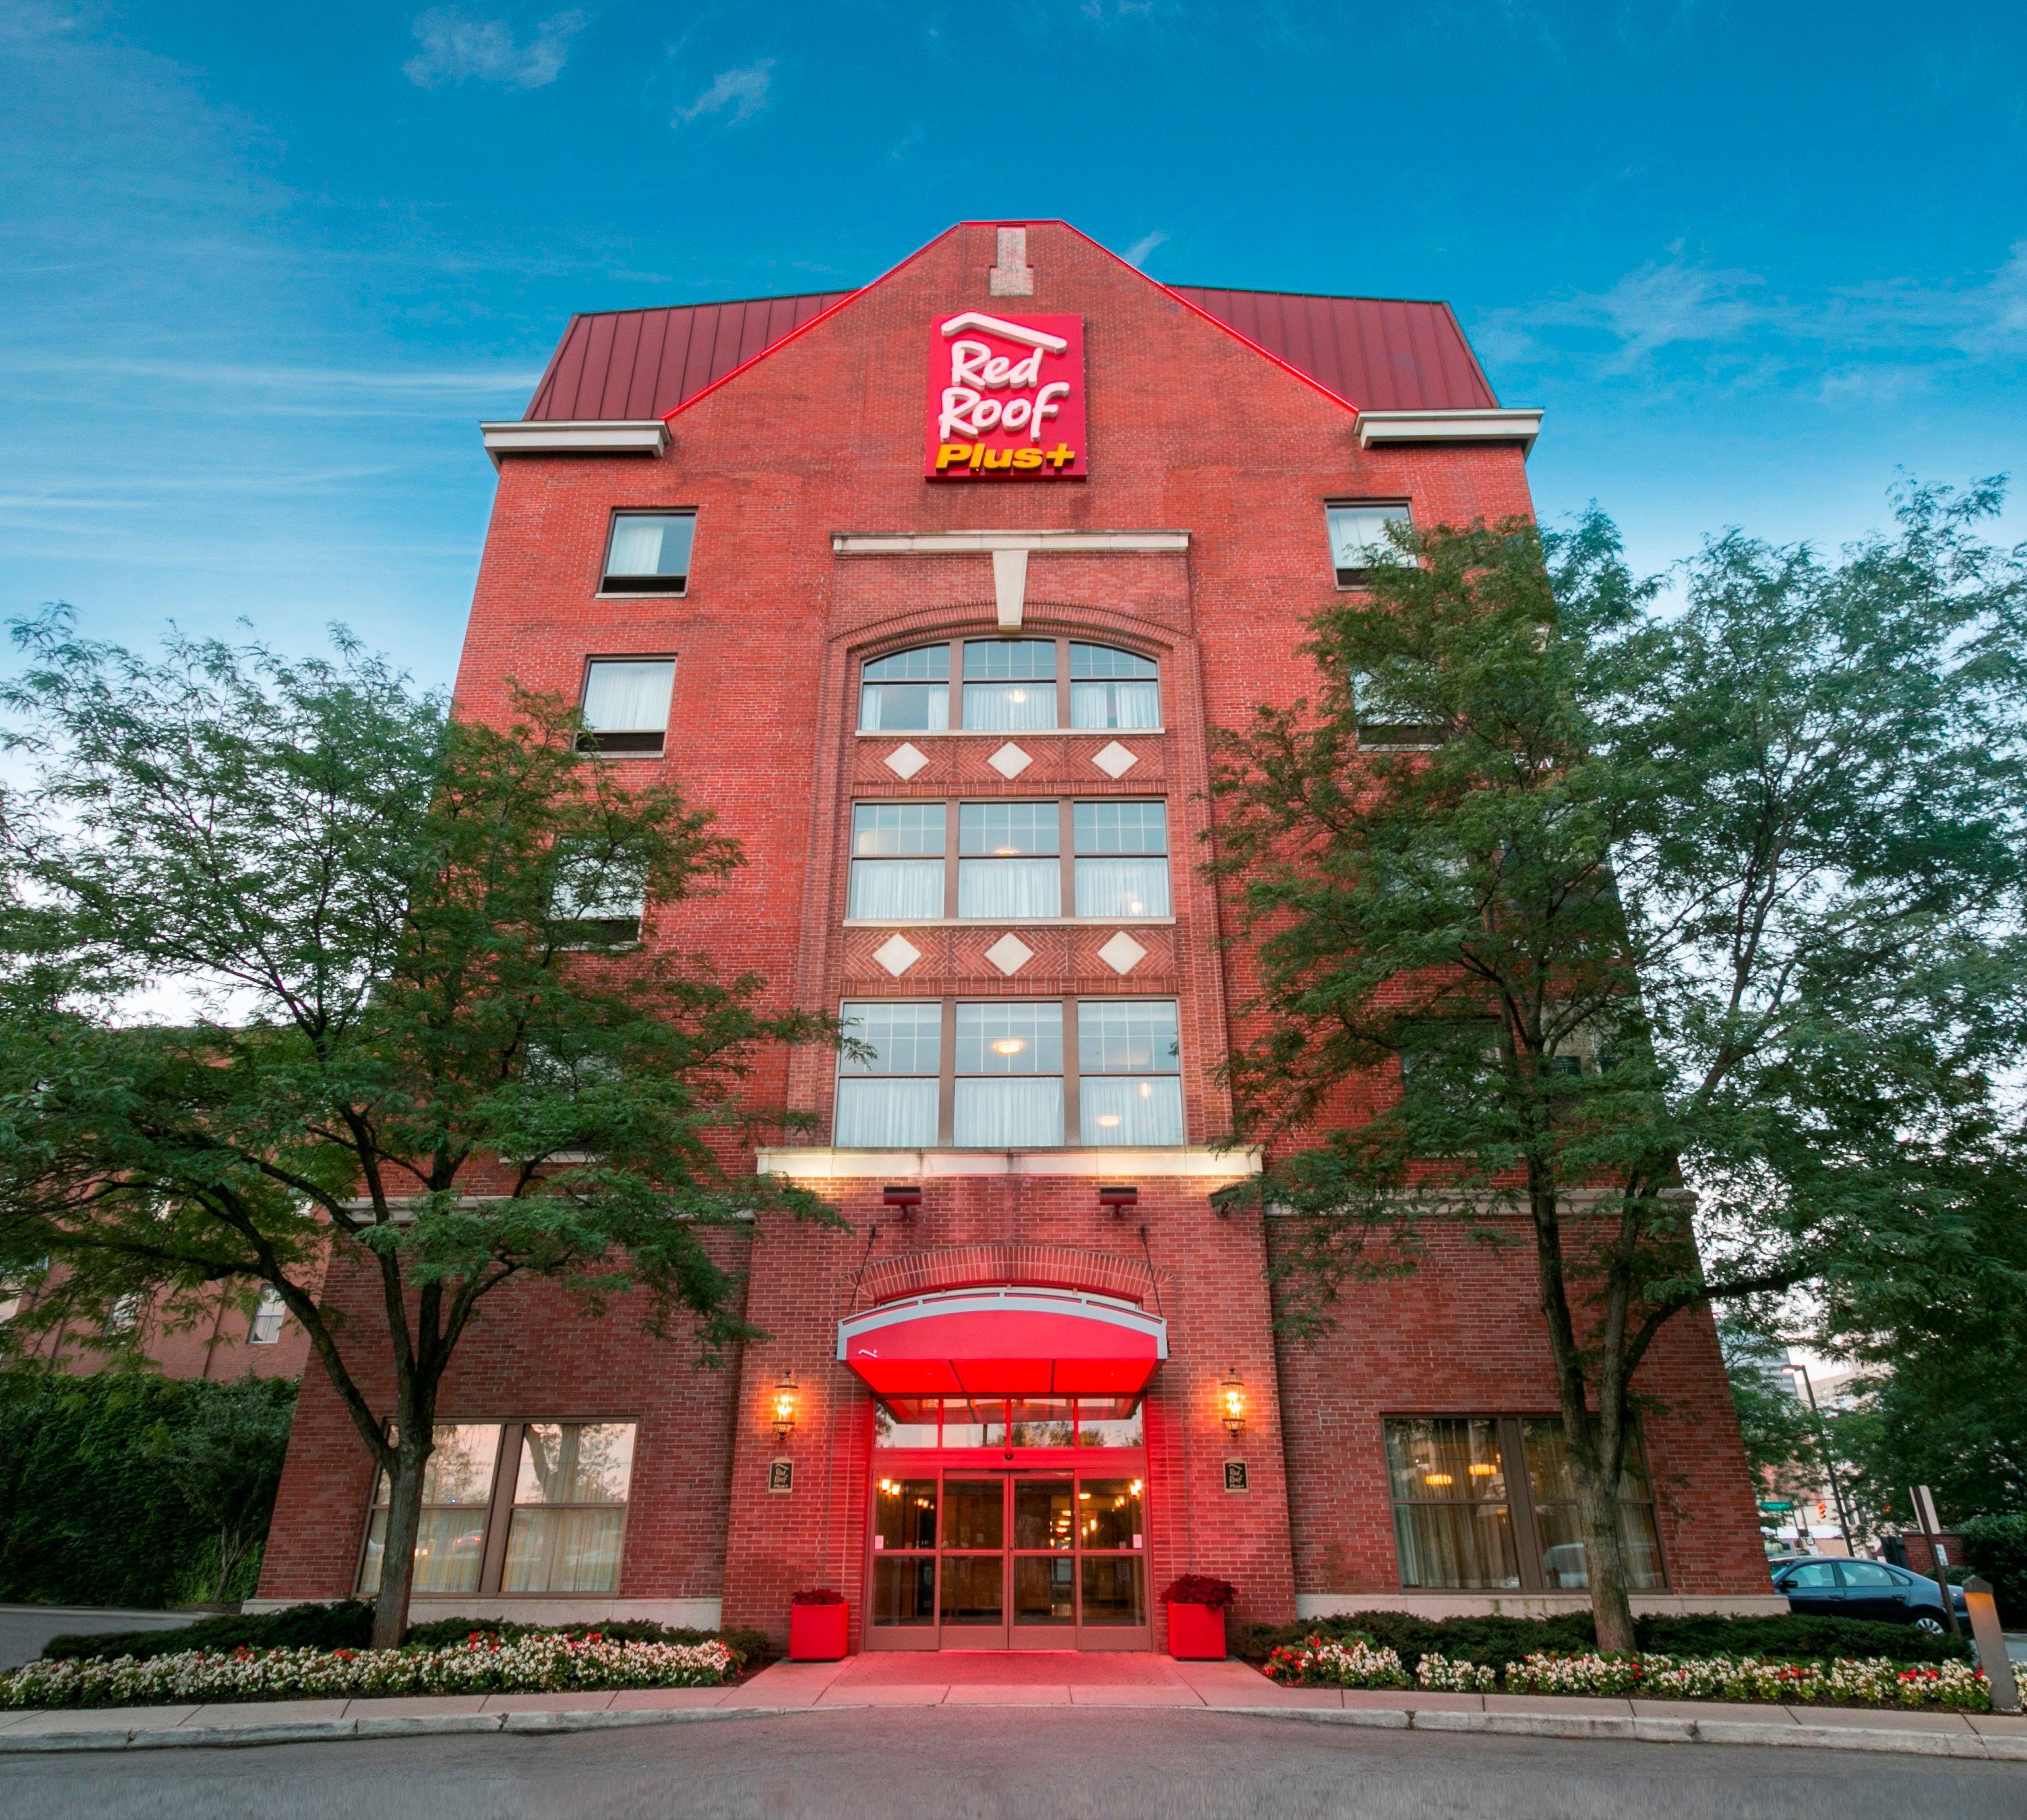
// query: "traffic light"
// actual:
[[1822, 1510]]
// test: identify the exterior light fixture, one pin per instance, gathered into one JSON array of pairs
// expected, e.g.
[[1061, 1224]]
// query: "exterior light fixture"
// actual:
[[1231, 1402], [907, 1196], [1008, 1045], [784, 1405], [1117, 1197]]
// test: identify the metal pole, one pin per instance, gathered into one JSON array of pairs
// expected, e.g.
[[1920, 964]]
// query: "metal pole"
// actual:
[[1922, 1501], [1829, 1462]]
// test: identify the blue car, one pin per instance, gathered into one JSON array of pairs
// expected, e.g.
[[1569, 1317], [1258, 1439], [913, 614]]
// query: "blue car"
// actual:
[[1827, 1586]]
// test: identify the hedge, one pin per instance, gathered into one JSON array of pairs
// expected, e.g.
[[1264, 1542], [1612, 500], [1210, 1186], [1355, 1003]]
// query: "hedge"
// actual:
[[349, 1624], [1996, 1548], [1496, 1640]]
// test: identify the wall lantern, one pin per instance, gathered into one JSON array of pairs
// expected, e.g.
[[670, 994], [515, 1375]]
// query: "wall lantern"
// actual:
[[1231, 1402], [1118, 1198], [784, 1405]]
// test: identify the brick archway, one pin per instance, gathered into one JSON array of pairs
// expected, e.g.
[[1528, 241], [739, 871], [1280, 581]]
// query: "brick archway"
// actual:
[[1040, 1266]]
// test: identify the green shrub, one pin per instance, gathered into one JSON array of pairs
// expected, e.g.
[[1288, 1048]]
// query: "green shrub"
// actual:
[[1493, 1642], [1996, 1548]]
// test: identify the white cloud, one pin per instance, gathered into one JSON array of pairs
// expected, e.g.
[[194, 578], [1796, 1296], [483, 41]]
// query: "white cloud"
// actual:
[[457, 44], [1137, 254], [744, 91]]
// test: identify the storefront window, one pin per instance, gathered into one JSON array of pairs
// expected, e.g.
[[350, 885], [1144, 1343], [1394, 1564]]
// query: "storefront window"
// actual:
[[457, 1493], [570, 1508]]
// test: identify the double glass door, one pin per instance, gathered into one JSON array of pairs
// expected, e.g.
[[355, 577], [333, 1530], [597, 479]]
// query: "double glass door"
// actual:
[[966, 1559]]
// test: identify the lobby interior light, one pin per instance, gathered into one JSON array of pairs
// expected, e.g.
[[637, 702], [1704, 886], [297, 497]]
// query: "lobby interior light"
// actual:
[[784, 1405], [1231, 1402], [1009, 1046]]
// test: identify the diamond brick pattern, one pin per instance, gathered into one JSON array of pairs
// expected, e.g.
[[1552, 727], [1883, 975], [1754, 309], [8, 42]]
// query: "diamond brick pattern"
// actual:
[[1010, 761], [897, 954], [1122, 954], [906, 760], [1114, 760], [1010, 954]]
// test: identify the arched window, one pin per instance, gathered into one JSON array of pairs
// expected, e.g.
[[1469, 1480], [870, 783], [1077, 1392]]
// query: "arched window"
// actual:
[[1011, 685]]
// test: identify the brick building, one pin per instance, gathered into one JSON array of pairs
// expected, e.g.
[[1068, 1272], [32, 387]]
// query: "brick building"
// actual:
[[932, 591]]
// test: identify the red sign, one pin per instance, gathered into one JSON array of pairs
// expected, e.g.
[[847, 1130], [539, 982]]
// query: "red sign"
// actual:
[[1006, 398]]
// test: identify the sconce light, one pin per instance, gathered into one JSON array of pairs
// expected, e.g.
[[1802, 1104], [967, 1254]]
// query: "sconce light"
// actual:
[[1117, 1197], [784, 1405], [1231, 1402], [907, 1196]]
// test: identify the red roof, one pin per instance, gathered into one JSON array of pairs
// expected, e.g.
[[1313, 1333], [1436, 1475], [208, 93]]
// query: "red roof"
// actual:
[[1375, 353]]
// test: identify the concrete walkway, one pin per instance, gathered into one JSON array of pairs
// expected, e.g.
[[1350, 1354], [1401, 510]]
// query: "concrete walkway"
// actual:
[[1027, 1679]]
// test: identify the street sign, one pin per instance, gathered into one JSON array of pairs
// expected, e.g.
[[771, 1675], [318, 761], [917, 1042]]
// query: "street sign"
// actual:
[[1776, 1504]]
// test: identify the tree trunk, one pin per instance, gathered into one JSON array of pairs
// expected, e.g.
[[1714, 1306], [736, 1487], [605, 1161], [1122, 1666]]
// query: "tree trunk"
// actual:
[[1604, 1553], [413, 1441]]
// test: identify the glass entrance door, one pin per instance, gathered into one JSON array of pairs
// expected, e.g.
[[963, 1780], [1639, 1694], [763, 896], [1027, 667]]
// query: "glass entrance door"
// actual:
[[972, 1559]]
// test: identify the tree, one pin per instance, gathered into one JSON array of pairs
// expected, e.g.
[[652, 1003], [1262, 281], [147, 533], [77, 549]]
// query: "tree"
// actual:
[[225, 1461], [1561, 906], [421, 1030], [1783, 1440]]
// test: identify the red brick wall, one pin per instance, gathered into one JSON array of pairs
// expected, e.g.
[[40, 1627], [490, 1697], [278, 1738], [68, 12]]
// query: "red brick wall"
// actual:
[[1190, 430]]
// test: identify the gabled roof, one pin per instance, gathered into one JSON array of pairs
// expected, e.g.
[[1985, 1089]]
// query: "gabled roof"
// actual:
[[1373, 353]]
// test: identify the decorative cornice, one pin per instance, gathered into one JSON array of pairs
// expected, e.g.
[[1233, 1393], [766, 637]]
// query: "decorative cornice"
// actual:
[[647, 436], [1520, 426]]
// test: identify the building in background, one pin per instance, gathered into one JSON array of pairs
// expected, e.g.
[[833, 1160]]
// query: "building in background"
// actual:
[[934, 592]]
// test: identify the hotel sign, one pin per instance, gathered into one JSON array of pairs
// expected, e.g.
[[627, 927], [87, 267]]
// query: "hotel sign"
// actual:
[[1006, 398]]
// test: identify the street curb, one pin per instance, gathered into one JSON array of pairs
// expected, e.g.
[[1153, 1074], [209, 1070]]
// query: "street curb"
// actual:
[[1972, 1746]]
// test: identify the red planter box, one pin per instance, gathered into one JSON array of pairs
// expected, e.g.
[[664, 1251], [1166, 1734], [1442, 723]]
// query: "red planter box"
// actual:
[[1196, 1632], [816, 1632]]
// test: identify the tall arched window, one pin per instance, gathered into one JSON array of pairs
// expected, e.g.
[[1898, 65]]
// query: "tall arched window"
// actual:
[[1010, 685]]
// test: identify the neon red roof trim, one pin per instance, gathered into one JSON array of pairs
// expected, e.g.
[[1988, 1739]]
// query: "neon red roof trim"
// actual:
[[1004, 1343]]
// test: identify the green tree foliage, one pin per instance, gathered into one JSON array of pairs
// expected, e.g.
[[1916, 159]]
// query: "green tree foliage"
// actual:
[[1560, 904], [424, 1033], [99, 1505], [1783, 1439]]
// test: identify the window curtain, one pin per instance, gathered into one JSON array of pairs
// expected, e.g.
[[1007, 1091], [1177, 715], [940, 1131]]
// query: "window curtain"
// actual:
[[636, 547], [628, 698], [1122, 888], [450, 1546], [564, 1550], [1006, 890], [1123, 705], [1009, 707], [885, 1115], [1118, 1109], [1457, 1544], [897, 890], [904, 707], [1009, 1114]]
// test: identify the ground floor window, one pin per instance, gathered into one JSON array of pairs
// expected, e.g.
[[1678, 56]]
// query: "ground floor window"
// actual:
[[1490, 1501], [515, 1507]]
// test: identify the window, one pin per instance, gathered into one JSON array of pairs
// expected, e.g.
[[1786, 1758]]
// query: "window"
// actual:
[[599, 900], [267, 1324], [1128, 1058], [1009, 862], [1112, 689], [891, 1100], [1386, 720], [570, 1508], [556, 1525], [649, 553], [897, 862], [1358, 540], [457, 1490], [1464, 1517], [1009, 867], [1122, 858], [625, 708], [908, 692], [1010, 685], [927, 1422], [123, 1315], [1009, 1074]]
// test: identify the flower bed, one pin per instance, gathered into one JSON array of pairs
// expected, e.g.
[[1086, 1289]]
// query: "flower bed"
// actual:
[[545, 1662], [1875, 1681]]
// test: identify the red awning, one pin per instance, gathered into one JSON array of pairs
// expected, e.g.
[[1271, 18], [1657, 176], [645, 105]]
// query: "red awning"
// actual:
[[1004, 1343]]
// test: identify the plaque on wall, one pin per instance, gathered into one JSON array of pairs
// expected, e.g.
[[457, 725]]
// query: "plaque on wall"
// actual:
[[780, 1476], [1234, 1476]]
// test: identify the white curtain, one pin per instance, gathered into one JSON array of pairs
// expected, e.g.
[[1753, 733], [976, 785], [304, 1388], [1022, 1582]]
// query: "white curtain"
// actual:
[[1009, 1115], [1122, 888], [1009, 707], [564, 1550], [1119, 1109], [450, 1545], [897, 890], [636, 547], [1123, 705], [904, 707], [1006, 890], [885, 1115], [628, 698]]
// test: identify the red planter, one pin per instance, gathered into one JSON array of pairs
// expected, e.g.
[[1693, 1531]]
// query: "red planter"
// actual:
[[1196, 1632], [816, 1632]]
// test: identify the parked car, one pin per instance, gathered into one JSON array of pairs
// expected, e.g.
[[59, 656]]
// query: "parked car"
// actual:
[[1827, 1586]]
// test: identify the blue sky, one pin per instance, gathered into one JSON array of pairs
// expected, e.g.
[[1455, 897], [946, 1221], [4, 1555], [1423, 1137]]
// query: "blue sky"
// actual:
[[265, 267]]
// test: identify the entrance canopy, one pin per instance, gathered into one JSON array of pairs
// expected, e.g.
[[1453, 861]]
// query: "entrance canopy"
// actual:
[[1004, 1343]]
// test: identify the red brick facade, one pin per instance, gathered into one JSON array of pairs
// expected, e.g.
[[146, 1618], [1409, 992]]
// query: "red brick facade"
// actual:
[[1194, 430]]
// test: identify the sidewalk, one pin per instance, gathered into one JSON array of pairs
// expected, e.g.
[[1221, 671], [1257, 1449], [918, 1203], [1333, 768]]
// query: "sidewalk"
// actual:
[[1025, 1679]]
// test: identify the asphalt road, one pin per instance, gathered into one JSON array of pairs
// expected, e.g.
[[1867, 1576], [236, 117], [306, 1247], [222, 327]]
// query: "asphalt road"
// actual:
[[951, 1764], [24, 1628]]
